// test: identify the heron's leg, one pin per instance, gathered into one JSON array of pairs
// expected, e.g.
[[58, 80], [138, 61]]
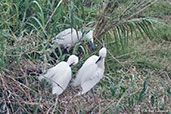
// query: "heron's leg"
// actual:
[[56, 102], [92, 91]]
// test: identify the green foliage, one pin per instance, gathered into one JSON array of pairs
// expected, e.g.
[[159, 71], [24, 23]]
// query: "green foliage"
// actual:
[[163, 13], [3, 42], [130, 28], [25, 34], [2, 58], [143, 91], [164, 32]]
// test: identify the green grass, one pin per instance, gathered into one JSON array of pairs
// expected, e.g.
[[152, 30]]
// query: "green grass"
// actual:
[[164, 12], [141, 82]]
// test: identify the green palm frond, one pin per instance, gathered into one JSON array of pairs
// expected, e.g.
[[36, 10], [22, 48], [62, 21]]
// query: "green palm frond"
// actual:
[[122, 22], [127, 29]]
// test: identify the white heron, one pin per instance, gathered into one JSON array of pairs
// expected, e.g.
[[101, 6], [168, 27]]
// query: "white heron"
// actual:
[[91, 72], [60, 75], [68, 37]]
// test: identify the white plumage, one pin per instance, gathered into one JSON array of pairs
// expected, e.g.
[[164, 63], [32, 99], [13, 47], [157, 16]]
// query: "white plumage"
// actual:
[[60, 75], [91, 72], [68, 37]]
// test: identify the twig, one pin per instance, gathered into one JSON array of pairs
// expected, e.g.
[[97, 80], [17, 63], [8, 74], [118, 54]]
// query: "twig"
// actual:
[[55, 105], [53, 13], [20, 83], [115, 59], [8, 98], [49, 110], [100, 107], [112, 55], [139, 11], [30, 103]]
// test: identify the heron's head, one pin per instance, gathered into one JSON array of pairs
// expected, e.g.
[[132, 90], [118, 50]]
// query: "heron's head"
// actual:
[[102, 54], [89, 37], [72, 60]]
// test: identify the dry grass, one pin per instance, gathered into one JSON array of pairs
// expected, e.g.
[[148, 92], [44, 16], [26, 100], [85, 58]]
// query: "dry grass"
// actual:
[[20, 94]]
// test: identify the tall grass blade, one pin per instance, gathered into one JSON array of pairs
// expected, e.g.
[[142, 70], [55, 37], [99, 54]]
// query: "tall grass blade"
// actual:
[[39, 23]]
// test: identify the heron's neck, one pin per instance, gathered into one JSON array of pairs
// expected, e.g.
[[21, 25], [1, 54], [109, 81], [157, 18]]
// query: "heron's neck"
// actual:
[[101, 63], [68, 62]]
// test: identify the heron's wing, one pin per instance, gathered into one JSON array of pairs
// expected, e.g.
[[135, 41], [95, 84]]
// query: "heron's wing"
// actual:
[[50, 72], [57, 90], [90, 60], [91, 81], [85, 70], [66, 37], [58, 69], [64, 33], [60, 81], [62, 77]]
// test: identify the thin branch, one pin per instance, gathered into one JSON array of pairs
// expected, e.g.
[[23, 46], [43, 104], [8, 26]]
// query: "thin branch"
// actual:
[[139, 11], [112, 55], [55, 105], [53, 13]]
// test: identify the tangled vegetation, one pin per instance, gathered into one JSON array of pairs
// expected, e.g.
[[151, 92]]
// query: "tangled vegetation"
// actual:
[[137, 68]]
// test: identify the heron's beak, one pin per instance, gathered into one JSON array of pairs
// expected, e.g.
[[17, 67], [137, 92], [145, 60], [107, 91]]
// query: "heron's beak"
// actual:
[[91, 44], [98, 59], [72, 64]]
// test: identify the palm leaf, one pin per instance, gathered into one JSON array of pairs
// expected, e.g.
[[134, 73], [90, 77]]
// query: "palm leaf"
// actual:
[[132, 27], [122, 22]]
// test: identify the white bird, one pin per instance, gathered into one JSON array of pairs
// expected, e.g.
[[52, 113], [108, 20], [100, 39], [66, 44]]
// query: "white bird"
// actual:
[[60, 75], [91, 72], [69, 37]]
